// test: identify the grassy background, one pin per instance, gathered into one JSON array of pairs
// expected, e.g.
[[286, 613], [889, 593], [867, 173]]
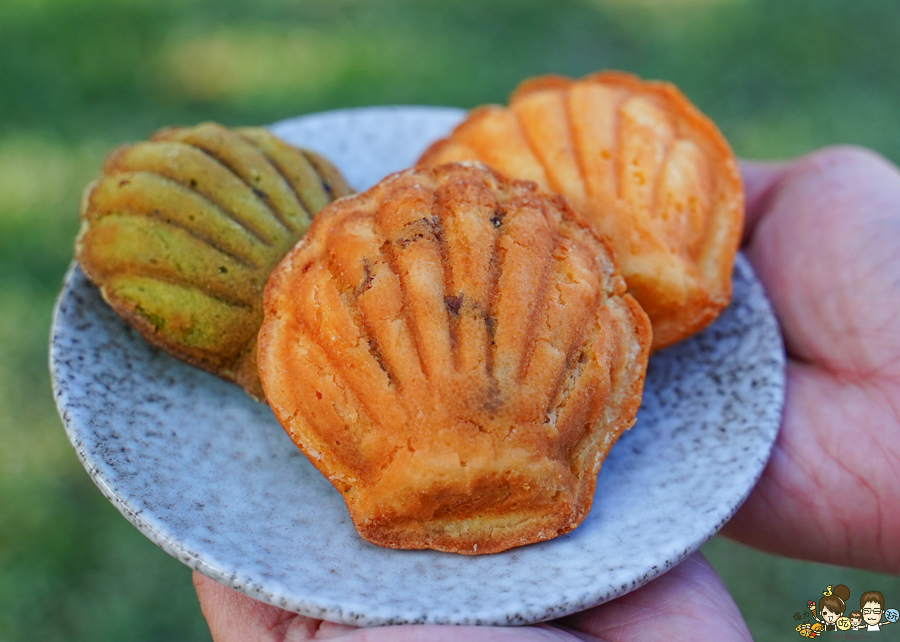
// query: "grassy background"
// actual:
[[80, 76]]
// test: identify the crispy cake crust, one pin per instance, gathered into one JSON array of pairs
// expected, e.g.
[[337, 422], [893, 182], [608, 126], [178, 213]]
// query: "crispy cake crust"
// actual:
[[642, 164], [181, 232], [455, 351]]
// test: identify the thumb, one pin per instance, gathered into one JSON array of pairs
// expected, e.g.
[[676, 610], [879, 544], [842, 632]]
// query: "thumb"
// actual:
[[689, 602]]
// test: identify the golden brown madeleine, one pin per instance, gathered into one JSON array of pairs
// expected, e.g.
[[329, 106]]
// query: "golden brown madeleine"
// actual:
[[643, 165], [456, 353], [181, 232]]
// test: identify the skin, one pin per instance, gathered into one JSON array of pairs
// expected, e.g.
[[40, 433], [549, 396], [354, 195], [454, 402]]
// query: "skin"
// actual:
[[829, 616], [872, 618], [822, 233]]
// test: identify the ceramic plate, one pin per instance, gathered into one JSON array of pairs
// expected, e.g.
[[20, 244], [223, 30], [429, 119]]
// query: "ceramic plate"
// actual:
[[209, 476]]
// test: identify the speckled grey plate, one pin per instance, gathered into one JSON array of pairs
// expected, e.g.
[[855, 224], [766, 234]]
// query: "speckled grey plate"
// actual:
[[209, 475]]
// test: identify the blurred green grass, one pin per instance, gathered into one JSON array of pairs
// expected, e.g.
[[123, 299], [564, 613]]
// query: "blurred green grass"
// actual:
[[78, 77]]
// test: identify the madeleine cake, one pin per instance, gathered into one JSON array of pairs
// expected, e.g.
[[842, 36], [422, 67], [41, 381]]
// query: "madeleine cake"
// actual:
[[643, 165], [456, 352], [181, 232]]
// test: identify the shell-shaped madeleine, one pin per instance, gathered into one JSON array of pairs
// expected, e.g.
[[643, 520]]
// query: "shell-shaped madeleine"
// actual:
[[181, 232], [455, 351], [643, 165]]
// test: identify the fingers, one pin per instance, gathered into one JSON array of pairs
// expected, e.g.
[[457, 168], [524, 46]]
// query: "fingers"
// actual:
[[234, 617], [824, 244], [687, 603], [831, 490], [435, 633], [824, 238]]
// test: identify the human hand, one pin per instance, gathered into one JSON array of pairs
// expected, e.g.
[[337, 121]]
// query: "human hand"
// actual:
[[687, 603], [823, 234]]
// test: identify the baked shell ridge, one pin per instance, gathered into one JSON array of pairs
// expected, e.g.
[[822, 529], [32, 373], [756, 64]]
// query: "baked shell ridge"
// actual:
[[180, 232], [455, 351], [639, 161]]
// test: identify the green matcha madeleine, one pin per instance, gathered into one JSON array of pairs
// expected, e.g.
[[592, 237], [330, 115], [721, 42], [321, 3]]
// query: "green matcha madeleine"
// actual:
[[181, 232]]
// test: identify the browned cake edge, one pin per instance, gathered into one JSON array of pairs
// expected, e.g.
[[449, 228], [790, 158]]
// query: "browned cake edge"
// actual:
[[704, 307], [240, 367], [461, 534]]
